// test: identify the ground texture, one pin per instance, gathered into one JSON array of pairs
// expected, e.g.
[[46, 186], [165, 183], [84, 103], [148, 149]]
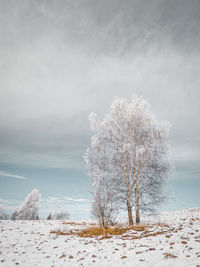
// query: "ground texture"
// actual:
[[166, 239]]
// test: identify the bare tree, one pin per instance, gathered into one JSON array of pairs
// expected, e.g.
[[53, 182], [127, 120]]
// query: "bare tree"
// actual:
[[3, 214], [14, 215], [104, 206], [59, 215], [49, 217], [130, 149]]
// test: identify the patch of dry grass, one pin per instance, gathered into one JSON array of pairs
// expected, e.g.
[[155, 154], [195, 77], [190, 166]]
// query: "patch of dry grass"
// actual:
[[111, 231], [128, 232], [99, 231]]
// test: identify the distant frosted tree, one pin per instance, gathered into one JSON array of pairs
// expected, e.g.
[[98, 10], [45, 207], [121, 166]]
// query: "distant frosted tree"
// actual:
[[59, 215], [3, 214], [30, 207], [129, 148]]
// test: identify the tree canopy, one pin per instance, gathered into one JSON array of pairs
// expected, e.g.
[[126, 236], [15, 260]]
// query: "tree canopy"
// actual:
[[129, 156]]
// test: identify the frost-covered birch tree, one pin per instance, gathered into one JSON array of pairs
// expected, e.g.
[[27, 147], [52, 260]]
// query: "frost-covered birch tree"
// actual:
[[129, 149], [30, 207]]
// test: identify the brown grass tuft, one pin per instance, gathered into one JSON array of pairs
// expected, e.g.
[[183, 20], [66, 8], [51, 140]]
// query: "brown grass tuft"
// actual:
[[62, 256], [162, 224], [184, 242], [169, 255], [139, 228], [155, 234], [123, 257]]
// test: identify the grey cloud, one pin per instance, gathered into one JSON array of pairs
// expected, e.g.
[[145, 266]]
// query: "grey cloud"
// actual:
[[104, 26], [55, 124], [62, 59]]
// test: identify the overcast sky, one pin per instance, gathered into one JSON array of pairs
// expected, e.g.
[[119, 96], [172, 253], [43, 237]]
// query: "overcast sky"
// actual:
[[60, 60]]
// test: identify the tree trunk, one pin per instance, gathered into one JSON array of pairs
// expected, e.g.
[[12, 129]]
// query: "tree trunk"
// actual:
[[130, 216], [137, 211]]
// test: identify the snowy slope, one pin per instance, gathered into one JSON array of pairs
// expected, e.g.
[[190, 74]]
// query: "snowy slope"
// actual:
[[170, 239]]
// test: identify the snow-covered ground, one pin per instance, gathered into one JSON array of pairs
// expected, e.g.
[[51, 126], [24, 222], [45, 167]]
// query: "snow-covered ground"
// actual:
[[170, 239]]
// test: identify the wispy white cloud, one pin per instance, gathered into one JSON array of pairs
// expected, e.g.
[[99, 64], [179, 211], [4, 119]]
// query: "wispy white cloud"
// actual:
[[53, 199], [9, 201], [10, 175], [76, 199]]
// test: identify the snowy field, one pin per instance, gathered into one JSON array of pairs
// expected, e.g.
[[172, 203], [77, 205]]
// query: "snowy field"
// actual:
[[169, 239]]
